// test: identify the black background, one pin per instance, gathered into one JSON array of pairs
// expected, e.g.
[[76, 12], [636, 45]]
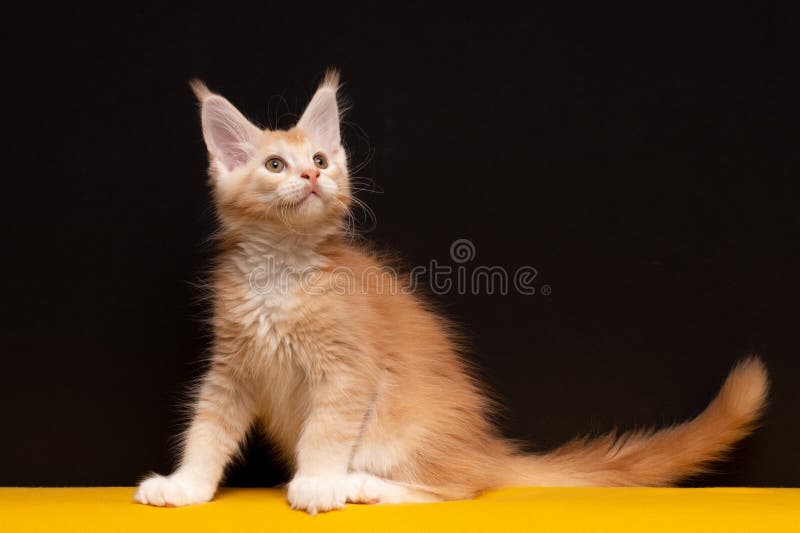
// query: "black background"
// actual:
[[638, 159]]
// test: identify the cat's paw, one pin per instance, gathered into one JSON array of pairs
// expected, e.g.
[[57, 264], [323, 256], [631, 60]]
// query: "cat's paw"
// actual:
[[363, 488], [173, 491], [317, 494]]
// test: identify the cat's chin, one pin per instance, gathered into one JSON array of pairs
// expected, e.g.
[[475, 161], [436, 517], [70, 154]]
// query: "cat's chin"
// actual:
[[311, 208], [310, 215]]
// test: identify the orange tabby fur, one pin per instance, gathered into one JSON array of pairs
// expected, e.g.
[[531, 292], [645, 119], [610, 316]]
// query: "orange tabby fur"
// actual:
[[364, 391]]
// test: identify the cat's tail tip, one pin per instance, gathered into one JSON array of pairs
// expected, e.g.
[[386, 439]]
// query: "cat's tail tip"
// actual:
[[744, 394]]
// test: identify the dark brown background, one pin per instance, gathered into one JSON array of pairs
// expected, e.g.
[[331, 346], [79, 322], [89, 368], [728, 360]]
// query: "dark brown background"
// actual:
[[640, 160]]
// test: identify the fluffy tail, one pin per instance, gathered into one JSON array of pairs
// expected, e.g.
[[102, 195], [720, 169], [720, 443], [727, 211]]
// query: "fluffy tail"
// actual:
[[654, 458]]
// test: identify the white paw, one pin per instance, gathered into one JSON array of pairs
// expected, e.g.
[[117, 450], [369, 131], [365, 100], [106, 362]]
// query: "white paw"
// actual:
[[173, 491], [318, 493], [363, 488]]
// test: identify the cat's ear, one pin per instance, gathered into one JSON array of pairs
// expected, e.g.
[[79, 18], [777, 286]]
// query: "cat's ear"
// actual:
[[320, 120], [230, 138]]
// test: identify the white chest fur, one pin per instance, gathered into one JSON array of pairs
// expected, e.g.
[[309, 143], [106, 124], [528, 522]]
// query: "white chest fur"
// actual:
[[271, 299], [269, 310]]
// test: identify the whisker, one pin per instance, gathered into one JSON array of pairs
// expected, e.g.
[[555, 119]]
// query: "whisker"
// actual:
[[365, 184], [369, 214], [349, 228]]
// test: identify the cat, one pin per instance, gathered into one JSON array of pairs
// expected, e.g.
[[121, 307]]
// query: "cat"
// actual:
[[365, 392]]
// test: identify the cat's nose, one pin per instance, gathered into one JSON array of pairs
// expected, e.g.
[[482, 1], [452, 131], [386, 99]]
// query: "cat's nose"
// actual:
[[311, 175]]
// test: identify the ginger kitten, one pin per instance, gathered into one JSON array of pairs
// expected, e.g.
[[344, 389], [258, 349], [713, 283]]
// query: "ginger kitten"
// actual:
[[364, 391]]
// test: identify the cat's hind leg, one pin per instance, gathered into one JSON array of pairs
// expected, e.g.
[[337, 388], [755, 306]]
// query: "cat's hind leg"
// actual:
[[366, 488]]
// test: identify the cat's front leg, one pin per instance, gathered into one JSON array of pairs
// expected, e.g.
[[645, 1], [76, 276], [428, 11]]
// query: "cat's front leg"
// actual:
[[339, 407], [223, 413]]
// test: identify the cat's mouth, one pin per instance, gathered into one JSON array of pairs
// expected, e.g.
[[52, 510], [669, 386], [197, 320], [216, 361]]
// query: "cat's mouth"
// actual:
[[313, 193], [307, 201]]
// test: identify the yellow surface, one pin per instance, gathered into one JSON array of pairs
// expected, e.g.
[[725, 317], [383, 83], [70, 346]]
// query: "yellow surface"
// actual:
[[525, 509]]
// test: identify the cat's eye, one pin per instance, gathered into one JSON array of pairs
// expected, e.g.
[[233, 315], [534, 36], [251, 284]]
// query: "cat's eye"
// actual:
[[275, 164], [320, 160]]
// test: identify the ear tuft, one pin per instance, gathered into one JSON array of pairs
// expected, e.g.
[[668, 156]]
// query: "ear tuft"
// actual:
[[331, 79], [200, 90], [230, 138], [321, 118]]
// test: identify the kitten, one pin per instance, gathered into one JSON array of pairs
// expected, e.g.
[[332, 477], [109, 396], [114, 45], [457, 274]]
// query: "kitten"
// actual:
[[364, 391]]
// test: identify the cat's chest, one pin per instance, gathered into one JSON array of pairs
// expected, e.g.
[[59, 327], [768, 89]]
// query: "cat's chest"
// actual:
[[273, 303], [273, 280]]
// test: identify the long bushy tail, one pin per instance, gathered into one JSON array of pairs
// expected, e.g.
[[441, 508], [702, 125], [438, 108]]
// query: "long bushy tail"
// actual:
[[654, 458]]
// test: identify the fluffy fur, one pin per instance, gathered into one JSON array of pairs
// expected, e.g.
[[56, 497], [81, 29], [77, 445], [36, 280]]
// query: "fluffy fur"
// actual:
[[364, 391]]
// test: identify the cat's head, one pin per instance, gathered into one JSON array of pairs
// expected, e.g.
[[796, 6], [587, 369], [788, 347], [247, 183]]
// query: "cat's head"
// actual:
[[292, 180]]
